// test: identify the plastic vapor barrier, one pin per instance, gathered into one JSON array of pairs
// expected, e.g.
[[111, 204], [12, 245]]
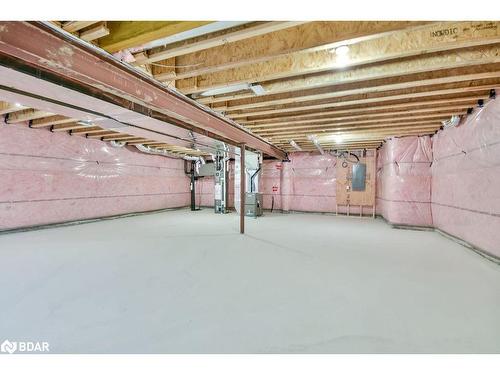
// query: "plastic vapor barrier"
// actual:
[[306, 183], [466, 179], [54, 177], [404, 181]]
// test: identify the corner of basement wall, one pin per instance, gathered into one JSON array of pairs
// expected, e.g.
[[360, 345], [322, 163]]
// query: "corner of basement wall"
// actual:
[[404, 181], [50, 178], [466, 179]]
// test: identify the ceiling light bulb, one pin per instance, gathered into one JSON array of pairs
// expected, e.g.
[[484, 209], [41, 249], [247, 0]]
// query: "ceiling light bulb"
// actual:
[[338, 139], [342, 50], [17, 105]]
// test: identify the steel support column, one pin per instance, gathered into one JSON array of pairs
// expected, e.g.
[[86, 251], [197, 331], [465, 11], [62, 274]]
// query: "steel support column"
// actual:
[[242, 188]]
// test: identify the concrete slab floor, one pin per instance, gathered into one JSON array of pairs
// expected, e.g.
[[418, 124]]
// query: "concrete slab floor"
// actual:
[[182, 282]]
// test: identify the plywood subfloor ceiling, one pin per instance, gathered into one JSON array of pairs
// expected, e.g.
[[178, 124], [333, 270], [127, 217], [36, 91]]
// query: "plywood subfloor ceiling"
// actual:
[[339, 85]]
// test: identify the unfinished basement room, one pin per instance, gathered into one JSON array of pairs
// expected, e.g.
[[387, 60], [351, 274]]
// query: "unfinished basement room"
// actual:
[[251, 187]]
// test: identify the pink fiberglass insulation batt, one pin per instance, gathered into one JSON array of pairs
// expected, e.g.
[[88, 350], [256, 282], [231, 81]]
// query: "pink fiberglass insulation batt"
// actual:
[[54, 177], [306, 183], [404, 181], [466, 179]]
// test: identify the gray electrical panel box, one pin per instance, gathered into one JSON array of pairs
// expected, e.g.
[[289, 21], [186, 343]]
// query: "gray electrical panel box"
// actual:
[[253, 204], [358, 177]]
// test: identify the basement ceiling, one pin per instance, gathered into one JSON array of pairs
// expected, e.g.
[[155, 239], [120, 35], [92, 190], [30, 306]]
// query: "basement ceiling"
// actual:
[[340, 85]]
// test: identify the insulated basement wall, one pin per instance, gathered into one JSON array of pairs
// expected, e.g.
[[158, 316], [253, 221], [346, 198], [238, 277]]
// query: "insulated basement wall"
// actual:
[[466, 179], [54, 177], [404, 181], [306, 183]]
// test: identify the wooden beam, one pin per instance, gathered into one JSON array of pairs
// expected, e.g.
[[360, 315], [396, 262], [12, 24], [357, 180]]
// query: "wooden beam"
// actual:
[[361, 88], [67, 127], [74, 26], [96, 32], [370, 135], [127, 34], [26, 115], [6, 108], [467, 101], [305, 145], [89, 130], [51, 120], [451, 62], [403, 44], [121, 137], [146, 142], [186, 47], [480, 90], [350, 124], [353, 114], [320, 35], [101, 134], [348, 146], [350, 129]]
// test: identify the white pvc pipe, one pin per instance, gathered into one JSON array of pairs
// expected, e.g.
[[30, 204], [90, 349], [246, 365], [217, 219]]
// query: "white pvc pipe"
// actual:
[[149, 150]]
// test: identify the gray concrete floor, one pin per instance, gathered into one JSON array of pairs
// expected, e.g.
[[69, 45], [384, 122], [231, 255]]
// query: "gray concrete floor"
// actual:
[[182, 282]]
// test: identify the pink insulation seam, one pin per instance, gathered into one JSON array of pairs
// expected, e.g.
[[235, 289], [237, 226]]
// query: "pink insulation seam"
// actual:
[[466, 179], [404, 181], [54, 177]]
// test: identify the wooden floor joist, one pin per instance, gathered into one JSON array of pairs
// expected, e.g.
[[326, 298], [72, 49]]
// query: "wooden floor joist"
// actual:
[[26, 115], [453, 62], [355, 114], [184, 48], [95, 32], [51, 120], [127, 34], [328, 92], [284, 42], [74, 26], [67, 127], [6, 108], [343, 123], [355, 130], [102, 133], [426, 96], [402, 44]]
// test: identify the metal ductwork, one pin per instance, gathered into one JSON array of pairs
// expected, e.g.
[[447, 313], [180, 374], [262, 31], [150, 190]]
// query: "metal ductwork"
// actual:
[[452, 122]]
